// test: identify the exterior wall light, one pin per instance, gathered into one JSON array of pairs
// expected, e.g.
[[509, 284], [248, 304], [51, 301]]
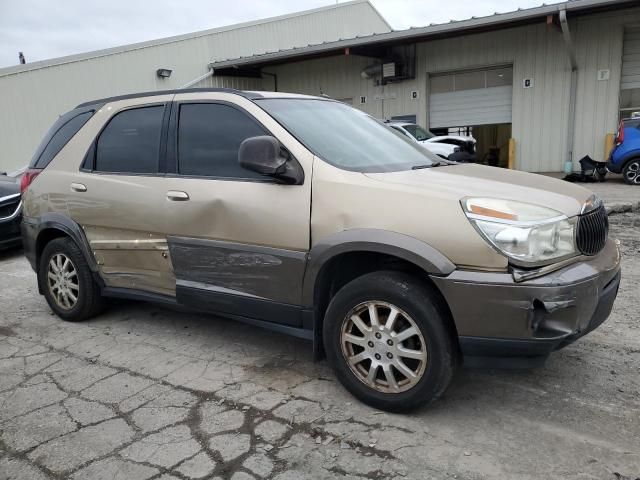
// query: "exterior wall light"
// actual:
[[163, 72]]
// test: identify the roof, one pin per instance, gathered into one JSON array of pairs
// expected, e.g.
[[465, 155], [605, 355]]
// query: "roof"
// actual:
[[413, 34], [251, 95], [178, 38]]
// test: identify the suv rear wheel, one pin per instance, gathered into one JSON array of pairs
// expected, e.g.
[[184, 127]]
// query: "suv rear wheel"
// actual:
[[631, 172], [386, 338], [67, 281]]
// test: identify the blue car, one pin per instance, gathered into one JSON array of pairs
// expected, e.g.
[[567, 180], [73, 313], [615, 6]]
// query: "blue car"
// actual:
[[625, 156]]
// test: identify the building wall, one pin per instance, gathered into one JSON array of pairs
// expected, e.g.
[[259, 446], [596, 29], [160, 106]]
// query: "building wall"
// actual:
[[32, 96], [540, 114]]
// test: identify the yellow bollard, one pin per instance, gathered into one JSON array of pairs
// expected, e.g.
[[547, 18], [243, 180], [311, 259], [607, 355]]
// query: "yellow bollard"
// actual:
[[512, 153]]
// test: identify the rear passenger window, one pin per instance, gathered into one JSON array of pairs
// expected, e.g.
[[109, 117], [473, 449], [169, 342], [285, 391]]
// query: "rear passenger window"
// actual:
[[209, 136], [131, 142], [60, 138]]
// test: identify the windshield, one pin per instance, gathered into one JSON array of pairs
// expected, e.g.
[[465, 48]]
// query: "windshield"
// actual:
[[346, 137], [418, 132]]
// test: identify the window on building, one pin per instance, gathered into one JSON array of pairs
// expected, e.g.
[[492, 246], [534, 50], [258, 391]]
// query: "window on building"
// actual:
[[469, 80], [131, 142], [441, 84], [209, 136], [499, 77]]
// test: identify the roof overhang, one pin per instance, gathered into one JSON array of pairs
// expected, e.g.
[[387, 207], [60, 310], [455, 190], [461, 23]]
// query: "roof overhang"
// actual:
[[367, 45]]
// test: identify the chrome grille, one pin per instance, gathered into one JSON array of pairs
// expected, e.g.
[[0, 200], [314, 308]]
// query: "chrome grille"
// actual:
[[592, 231]]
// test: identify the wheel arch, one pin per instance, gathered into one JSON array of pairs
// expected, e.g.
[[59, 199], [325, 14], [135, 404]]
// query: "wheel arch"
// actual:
[[54, 225], [352, 253]]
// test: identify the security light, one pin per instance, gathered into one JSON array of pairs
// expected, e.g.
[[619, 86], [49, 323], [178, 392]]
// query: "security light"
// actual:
[[163, 72]]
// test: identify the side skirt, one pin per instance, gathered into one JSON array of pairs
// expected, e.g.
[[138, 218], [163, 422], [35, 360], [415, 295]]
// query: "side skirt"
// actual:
[[197, 302]]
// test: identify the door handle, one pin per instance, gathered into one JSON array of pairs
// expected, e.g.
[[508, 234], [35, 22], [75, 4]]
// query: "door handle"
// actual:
[[177, 196], [78, 187]]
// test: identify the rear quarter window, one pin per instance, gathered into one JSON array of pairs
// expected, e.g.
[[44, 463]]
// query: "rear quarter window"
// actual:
[[58, 136]]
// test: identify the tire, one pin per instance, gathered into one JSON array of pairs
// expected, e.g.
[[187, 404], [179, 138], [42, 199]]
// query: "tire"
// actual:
[[417, 304], [631, 172], [81, 285]]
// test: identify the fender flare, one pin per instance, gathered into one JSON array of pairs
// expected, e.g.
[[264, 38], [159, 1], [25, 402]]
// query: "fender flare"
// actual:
[[371, 240], [57, 221]]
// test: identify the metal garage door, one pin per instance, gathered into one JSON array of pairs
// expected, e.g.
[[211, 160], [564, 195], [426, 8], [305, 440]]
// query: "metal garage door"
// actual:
[[478, 97], [630, 81]]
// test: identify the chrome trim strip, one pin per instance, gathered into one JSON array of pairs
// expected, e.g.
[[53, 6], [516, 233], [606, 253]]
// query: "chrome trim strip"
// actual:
[[516, 223], [520, 275], [14, 214], [136, 244], [10, 197]]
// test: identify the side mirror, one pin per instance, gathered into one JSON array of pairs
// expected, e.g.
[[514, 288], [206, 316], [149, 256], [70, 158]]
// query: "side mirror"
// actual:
[[263, 155]]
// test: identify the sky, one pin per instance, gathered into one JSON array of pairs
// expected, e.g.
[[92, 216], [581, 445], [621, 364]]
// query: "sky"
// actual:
[[45, 29]]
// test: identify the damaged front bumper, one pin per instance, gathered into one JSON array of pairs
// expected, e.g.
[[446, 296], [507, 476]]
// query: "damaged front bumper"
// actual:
[[502, 322]]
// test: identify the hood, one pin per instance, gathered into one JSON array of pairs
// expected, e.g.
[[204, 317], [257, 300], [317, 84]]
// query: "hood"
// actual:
[[469, 180]]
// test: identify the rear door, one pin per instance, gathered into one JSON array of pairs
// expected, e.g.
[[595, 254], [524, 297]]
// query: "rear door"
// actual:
[[119, 196], [238, 240]]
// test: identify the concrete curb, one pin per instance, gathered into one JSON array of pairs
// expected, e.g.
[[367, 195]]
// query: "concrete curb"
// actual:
[[615, 208]]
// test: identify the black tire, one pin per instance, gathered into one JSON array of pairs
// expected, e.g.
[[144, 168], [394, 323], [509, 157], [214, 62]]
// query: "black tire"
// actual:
[[425, 307], [631, 172], [89, 301]]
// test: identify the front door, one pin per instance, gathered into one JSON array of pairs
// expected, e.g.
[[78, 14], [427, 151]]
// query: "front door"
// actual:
[[238, 240]]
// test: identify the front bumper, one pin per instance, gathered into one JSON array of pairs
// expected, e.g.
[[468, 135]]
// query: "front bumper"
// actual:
[[10, 233], [522, 322]]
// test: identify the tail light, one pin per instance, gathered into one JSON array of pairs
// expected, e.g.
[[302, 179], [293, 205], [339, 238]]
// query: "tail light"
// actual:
[[28, 177], [620, 133]]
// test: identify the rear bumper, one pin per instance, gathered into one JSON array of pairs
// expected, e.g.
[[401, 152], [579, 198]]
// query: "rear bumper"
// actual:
[[614, 167], [29, 236], [519, 324]]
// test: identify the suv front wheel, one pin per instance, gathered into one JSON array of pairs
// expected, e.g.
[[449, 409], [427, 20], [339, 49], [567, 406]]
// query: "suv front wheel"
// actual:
[[386, 338], [67, 281]]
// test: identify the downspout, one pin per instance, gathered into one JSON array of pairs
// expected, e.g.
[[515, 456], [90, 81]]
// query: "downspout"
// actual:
[[275, 79], [195, 81], [566, 34]]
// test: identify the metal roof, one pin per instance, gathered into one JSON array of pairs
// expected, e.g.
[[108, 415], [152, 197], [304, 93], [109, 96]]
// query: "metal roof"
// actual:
[[178, 38], [413, 34]]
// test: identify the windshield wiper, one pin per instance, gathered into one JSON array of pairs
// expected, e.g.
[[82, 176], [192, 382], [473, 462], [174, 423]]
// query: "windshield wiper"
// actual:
[[420, 167]]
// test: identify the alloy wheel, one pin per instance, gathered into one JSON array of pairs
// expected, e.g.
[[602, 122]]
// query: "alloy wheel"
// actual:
[[383, 347], [632, 172], [63, 282]]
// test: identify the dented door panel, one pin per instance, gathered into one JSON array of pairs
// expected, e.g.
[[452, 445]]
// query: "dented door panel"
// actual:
[[242, 237], [263, 273]]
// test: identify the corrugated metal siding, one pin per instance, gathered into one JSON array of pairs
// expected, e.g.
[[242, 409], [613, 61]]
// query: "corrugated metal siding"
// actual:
[[539, 116], [631, 59], [30, 101], [482, 106]]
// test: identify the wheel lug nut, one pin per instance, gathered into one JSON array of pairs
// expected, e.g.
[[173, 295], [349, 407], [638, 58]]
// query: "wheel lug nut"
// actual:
[[390, 342], [377, 356], [378, 335], [389, 355], [370, 344]]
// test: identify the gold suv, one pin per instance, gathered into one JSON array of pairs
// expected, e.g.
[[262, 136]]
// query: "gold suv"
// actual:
[[306, 216]]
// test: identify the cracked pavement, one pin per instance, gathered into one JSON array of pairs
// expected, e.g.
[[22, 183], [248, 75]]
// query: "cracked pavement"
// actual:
[[146, 392]]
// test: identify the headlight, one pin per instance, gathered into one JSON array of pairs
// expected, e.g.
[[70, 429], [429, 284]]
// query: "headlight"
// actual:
[[530, 235]]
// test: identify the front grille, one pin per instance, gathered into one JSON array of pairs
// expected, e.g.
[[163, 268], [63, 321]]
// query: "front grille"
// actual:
[[9, 206], [592, 231]]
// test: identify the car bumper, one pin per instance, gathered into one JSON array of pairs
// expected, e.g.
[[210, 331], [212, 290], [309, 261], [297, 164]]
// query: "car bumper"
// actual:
[[501, 322], [10, 233]]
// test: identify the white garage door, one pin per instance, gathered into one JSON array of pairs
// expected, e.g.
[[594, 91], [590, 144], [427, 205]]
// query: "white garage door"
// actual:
[[630, 81], [478, 97]]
